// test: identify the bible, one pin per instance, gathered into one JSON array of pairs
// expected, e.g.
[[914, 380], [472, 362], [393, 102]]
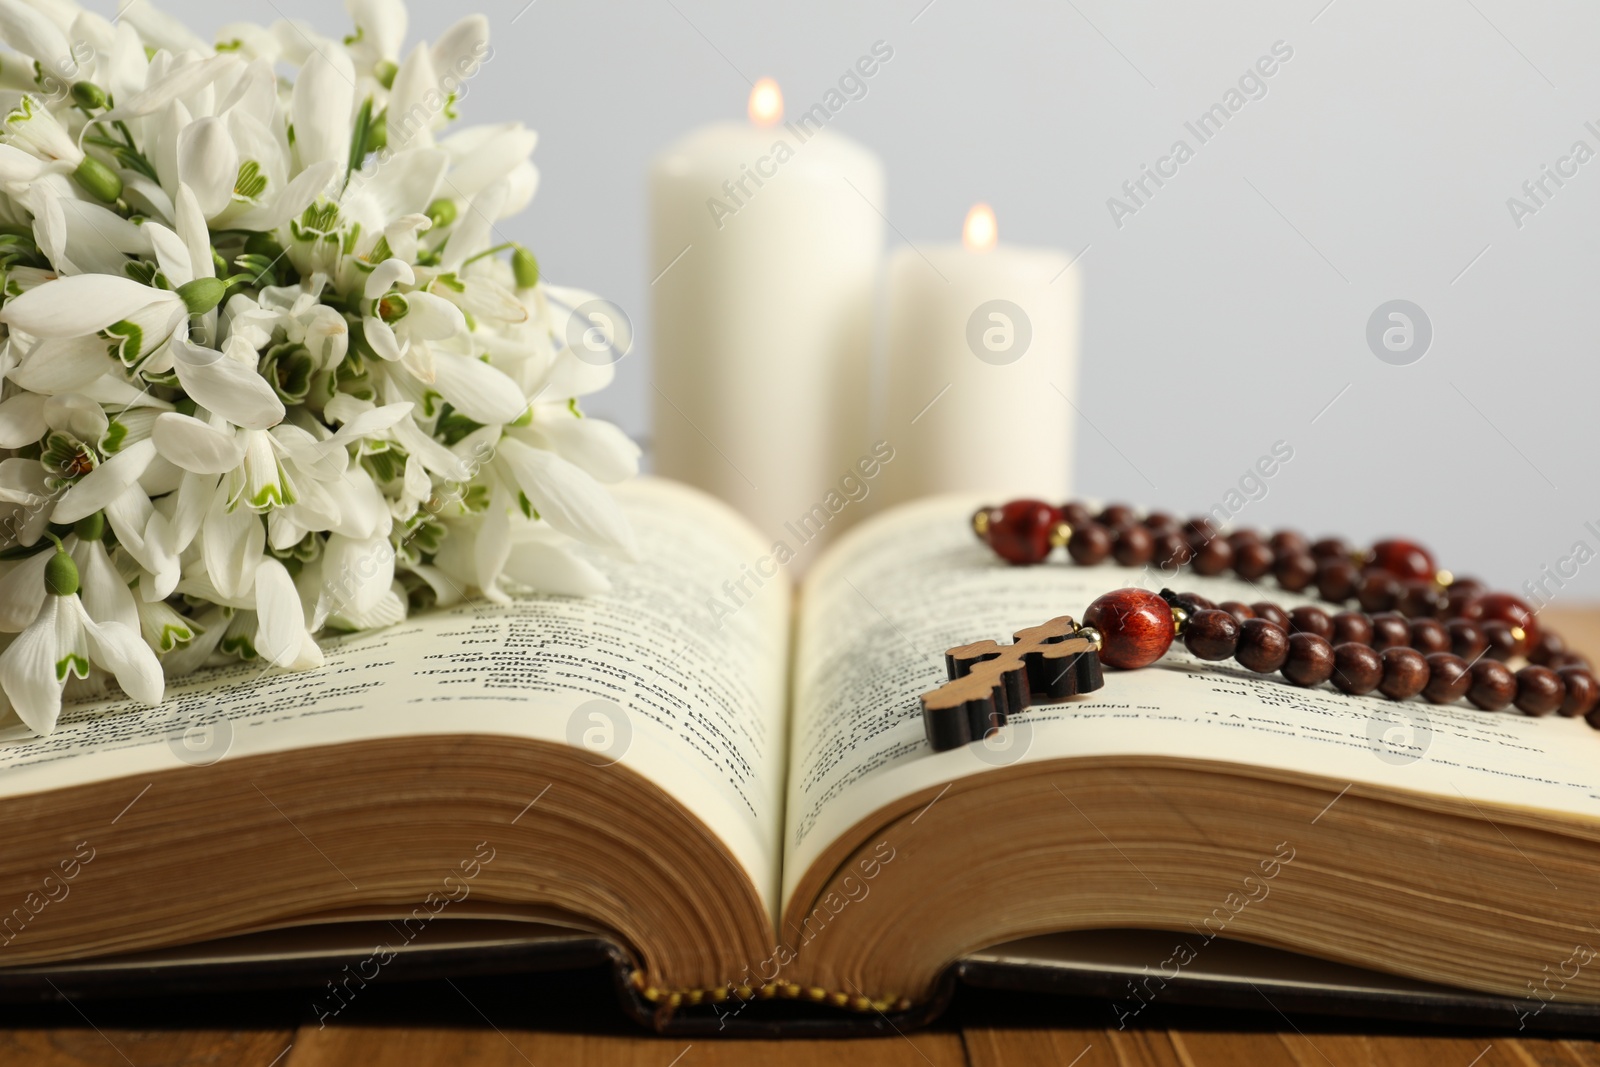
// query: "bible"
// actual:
[[716, 781]]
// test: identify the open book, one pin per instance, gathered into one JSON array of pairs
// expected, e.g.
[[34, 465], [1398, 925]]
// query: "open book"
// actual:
[[727, 778]]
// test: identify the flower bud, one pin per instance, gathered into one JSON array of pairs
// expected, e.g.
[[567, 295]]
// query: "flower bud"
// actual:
[[89, 96], [61, 574], [98, 180], [91, 527], [385, 72], [525, 268], [202, 294], [442, 212]]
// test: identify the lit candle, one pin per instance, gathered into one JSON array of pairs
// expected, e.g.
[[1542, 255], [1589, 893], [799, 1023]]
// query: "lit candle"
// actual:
[[766, 247], [983, 365]]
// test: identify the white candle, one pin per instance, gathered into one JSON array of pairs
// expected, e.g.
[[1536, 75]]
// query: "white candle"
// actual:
[[983, 367], [768, 244]]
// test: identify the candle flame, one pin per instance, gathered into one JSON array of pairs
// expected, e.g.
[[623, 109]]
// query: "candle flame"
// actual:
[[766, 103], [981, 231]]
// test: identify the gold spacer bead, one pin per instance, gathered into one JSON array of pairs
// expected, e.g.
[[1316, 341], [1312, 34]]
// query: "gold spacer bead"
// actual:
[[1444, 579], [1519, 633], [1095, 638], [1060, 535], [980, 522], [1180, 619]]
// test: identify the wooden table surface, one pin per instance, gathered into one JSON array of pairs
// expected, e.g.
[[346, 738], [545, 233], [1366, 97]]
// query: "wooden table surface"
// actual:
[[568, 1019]]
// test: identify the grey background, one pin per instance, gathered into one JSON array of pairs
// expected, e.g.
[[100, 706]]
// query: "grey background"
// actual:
[[1230, 312]]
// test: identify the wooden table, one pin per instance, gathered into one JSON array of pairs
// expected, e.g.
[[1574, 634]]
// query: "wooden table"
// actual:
[[567, 1019]]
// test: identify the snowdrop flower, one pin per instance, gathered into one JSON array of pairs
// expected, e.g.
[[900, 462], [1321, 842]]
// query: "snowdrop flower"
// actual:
[[265, 368], [62, 642]]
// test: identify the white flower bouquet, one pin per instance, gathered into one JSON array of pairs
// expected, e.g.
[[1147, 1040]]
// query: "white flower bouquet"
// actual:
[[267, 369]]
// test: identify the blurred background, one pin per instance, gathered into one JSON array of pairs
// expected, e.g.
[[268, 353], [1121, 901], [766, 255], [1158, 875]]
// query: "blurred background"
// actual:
[[1230, 309]]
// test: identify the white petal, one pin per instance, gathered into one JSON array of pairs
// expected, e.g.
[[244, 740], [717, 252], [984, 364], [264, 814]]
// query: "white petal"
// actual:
[[196, 446], [64, 364], [356, 574], [598, 447], [477, 390], [179, 83], [282, 635], [550, 568], [208, 163], [22, 420], [411, 119], [28, 671], [80, 305], [460, 52], [105, 483], [105, 593], [386, 275], [35, 36], [191, 223], [567, 498], [231, 543], [324, 101], [382, 339], [120, 650], [492, 544], [22, 591], [433, 318], [229, 387]]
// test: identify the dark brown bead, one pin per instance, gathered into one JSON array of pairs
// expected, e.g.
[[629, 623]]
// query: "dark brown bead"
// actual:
[[1376, 590], [1075, 514], [1593, 719], [1419, 599], [1493, 685], [1244, 537], [1547, 647], [1352, 626], [1502, 642], [1089, 544], [1357, 669], [1337, 580], [1195, 602], [1429, 636], [1172, 550], [1330, 548], [1238, 609], [1252, 560], [1569, 659], [1540, 690], [1272, 613], [1117, 516], [1211, 635], [1133, 546], [1389, 630], [1310, 619], [1199, 530], [1466, 638], [1289, 543], [1295, 571], [1310, 660], [1212, 556], [1405, 673], [1583, 691], [1263, 646], [1161, 522], [1460, 592], [1449, 678]]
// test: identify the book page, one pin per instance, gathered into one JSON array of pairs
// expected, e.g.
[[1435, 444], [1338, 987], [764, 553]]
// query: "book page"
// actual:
[[883, 605], [642, 675]]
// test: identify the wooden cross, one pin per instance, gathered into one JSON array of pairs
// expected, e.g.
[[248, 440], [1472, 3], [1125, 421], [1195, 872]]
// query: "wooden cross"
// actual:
[[989, 681]]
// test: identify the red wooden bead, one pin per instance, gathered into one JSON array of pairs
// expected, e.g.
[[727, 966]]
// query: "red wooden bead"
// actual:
[[1135, 627], [1506, 608], [1403, 559], [1020, 531]]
